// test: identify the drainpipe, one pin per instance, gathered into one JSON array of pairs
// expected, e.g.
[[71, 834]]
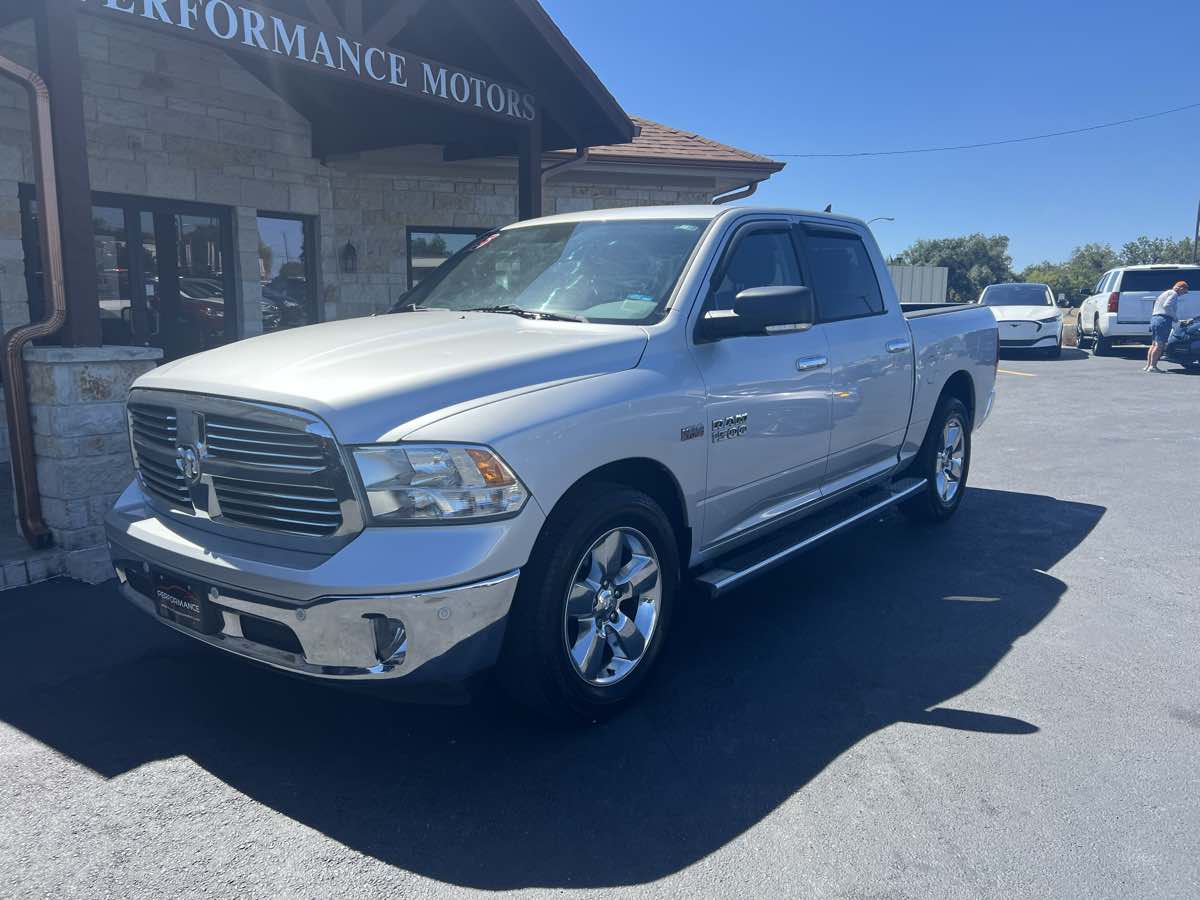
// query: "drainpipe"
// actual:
[[740, 194], [12, 363], [580, 158]]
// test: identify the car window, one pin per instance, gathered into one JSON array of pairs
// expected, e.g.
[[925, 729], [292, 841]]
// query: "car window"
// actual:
[[843, 278], [1016, 295], [762, 258], [1158, 280]]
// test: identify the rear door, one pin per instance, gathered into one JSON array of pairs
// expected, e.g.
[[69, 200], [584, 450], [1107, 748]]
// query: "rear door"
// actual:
[[870, 350], [767, 396]]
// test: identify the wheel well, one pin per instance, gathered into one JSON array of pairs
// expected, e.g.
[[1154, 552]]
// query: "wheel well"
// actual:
[[653, 479], [961, 386]]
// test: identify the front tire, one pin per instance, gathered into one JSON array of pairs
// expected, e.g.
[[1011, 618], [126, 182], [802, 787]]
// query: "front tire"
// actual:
[[592, 607], [1081, 339], [944, 461]]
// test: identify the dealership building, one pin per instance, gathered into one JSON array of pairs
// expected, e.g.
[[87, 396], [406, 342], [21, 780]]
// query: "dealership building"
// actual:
[[228, 168]]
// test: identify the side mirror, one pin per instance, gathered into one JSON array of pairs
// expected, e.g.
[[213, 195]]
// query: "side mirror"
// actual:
[[757, 309]]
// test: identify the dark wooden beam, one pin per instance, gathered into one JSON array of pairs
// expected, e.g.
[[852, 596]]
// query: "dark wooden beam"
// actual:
[[529, 171], [60, 67], [353, 16], [392, 22], [323, 13], [481, 149]]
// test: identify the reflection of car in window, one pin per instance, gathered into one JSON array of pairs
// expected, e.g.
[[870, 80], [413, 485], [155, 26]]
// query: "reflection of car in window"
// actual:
[[284, 302]]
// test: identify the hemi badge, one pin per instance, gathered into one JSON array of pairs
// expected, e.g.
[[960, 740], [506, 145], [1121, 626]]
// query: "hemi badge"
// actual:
[[691, 432]]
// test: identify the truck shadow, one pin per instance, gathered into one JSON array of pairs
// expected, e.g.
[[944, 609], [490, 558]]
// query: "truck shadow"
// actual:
[[756, 695]]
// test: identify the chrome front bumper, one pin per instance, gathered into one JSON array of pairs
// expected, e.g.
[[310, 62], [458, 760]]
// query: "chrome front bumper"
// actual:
[[449, 634]]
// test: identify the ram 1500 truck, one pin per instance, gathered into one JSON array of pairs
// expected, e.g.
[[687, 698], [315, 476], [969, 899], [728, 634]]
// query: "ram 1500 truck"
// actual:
[[524, 464]]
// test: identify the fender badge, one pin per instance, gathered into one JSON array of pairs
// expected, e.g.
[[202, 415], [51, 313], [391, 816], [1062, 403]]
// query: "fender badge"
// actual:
[[691, 432]]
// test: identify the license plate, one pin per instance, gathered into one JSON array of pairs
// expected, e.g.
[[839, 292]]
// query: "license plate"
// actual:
[[185, 604]]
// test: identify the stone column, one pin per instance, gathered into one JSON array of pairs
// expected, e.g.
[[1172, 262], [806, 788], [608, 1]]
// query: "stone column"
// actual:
[[81, 444]]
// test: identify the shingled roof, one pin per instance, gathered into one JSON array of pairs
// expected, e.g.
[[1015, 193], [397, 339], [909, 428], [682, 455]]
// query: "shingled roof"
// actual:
[[660, 143]]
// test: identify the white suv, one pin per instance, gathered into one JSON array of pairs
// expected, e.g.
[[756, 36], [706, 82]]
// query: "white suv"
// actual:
[[1119, 309]]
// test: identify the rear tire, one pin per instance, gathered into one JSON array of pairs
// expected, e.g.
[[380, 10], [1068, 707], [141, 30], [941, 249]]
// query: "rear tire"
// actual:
[[944, 461], [1101, 346], [593, 606]]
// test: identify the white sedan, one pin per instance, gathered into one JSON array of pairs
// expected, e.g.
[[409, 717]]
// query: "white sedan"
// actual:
[[1027, 317]]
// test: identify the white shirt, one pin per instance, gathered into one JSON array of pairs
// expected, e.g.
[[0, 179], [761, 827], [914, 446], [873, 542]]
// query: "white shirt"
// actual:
[[1167, 304]]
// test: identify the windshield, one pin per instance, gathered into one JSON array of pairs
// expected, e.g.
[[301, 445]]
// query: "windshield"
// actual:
[[1015, 295], [1159, 280], [619, 271]]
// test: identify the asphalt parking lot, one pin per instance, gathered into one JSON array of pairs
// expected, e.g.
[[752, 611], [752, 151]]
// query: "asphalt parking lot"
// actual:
[[1004, 707]]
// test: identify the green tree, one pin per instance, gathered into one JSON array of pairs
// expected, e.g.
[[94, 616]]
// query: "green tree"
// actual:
[[1078, 275], [1150, 250], [974, 261]]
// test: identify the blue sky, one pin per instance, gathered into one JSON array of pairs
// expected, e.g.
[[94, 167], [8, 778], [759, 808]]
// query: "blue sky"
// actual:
[[775, 76]]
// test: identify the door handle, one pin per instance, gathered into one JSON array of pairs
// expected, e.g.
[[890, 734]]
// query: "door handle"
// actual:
[[900, 346], [808, 363]]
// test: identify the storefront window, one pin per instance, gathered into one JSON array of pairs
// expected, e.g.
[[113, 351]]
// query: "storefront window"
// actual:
[[428, 248], [284, 266], [182, 302]]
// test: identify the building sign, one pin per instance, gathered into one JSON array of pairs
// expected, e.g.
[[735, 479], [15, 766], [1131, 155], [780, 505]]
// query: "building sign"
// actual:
[[253, 29]]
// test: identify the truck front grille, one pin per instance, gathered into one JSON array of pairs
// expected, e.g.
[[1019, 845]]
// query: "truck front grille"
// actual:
[[153, 432], [242, 465], [301, 509]]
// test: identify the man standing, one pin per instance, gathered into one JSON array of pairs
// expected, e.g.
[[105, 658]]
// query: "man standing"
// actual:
[[1162, 320]]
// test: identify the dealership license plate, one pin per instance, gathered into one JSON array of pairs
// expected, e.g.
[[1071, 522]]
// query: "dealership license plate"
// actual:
[[185, 604]]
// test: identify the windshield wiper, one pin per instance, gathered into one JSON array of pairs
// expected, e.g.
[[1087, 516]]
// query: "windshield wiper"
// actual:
[[524, 313]]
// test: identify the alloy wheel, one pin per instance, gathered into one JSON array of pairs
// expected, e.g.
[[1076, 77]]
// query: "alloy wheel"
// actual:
[[948, 468], [612, 607]]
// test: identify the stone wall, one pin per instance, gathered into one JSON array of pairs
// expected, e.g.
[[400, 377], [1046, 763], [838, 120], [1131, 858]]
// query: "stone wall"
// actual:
[[81, 443]]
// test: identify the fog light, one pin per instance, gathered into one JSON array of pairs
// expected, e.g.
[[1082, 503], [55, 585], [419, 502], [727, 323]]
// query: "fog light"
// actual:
[[391, 640]]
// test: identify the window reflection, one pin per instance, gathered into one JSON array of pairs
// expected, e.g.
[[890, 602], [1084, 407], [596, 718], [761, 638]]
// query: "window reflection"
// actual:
[[283, 267], [429, 248]]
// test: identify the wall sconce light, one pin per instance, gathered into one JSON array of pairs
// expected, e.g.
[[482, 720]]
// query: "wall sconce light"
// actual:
[[349, 259]]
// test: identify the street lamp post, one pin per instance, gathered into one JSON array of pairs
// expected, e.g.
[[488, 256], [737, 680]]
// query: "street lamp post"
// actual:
[[881, 219]]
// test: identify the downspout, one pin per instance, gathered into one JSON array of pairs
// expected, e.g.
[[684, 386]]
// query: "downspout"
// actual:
[[740, 194], [580, 158], [12, 363]]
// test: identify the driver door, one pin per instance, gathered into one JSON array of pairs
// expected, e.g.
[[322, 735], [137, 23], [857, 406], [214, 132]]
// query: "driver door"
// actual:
[[768, 397]]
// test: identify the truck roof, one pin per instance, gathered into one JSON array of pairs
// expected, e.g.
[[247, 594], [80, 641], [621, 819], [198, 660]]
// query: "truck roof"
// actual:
[[679, 212]]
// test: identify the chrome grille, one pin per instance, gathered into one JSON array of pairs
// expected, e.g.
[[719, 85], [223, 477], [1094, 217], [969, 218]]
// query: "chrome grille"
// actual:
[[249, 442], [300, 509], [250, 466], [154, 433]]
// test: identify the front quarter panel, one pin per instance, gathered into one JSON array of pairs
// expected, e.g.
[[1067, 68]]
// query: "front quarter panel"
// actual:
[[554, 437]]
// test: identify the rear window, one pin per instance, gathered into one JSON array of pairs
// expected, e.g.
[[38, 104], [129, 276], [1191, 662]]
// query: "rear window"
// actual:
[[1159, 280]]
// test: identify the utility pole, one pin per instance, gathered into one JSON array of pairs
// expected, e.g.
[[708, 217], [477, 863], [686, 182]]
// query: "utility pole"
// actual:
[[1196, 236]]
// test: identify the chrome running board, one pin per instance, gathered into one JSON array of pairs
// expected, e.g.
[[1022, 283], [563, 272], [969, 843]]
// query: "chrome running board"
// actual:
[[732, 570]]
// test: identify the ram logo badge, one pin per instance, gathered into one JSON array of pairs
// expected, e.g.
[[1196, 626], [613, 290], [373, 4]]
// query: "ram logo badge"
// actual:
[[729, 428]]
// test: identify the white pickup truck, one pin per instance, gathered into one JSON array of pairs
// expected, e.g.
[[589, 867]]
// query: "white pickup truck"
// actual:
[[525, 463]]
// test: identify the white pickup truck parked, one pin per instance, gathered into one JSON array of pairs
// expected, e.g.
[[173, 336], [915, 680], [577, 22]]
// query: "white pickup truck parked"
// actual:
[[525, 462], [1118, 311]]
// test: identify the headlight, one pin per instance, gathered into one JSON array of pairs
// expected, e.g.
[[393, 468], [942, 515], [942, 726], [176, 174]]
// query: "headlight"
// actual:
[[1049, 320], [408, 483]]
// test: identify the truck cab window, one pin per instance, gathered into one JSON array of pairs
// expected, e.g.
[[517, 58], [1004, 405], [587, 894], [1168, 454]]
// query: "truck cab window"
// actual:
[[760, 259], [843, 278]]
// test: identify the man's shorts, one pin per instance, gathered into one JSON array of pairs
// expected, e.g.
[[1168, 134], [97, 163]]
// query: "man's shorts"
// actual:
[[1160, 328]]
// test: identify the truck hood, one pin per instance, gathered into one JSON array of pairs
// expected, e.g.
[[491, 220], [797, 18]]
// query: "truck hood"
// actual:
[[1024, 313], [370, 378]]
